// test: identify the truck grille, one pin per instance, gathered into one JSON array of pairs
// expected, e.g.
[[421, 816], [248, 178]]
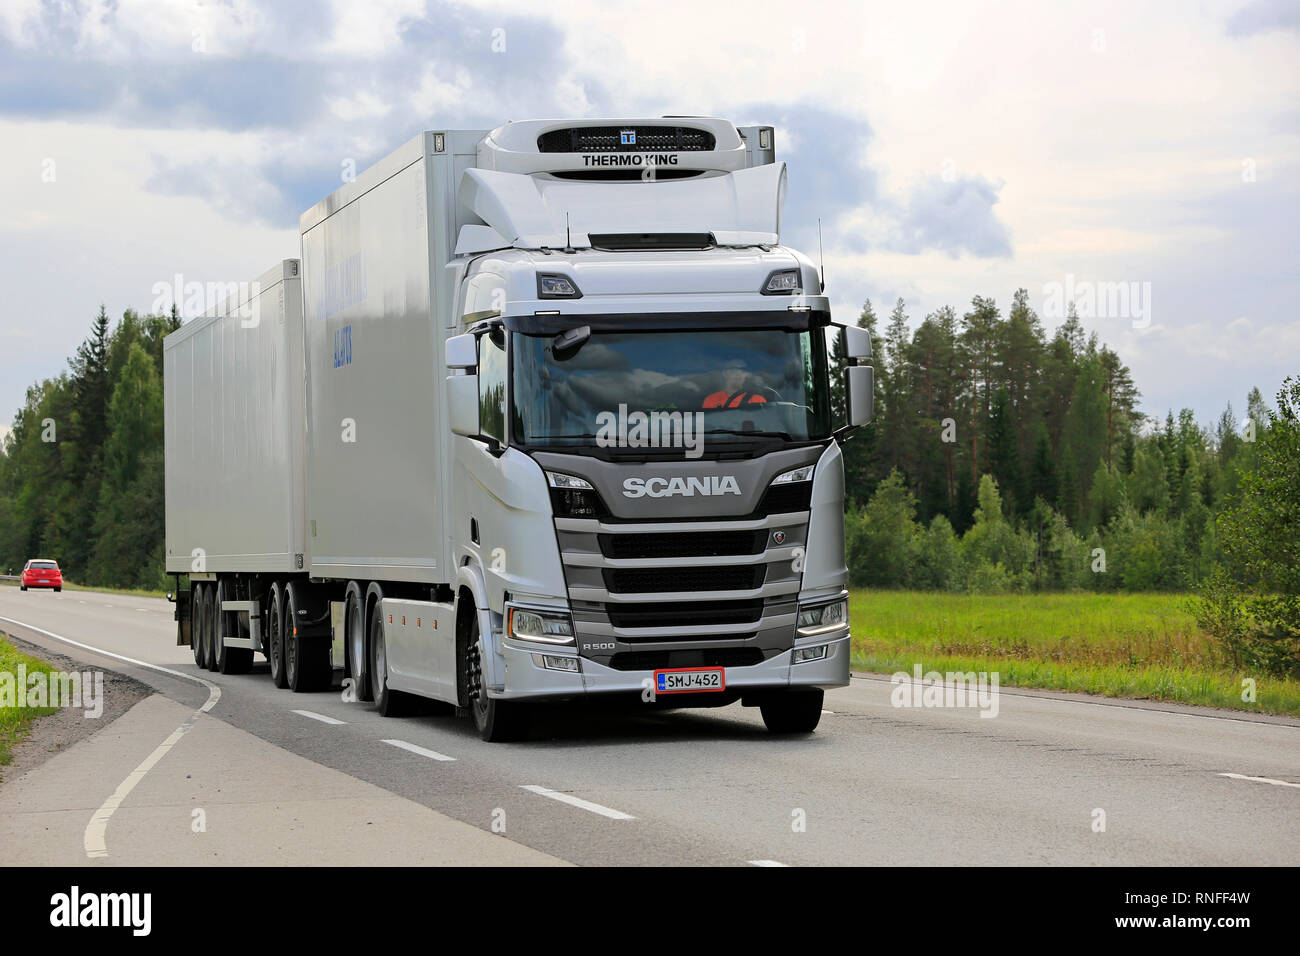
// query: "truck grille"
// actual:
[[647, 580], [609, 139], [697, 613], [693, 544]]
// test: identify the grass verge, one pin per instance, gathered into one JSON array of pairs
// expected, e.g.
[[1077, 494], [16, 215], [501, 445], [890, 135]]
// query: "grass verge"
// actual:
[[1144, 646], [15, 721]]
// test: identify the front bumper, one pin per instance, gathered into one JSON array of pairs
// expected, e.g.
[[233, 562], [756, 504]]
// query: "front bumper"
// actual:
[[527, 680]]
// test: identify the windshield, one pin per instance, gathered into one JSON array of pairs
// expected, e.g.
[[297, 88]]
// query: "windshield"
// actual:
[[670, 389]]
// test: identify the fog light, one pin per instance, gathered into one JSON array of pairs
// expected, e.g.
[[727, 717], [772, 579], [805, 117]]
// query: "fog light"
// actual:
[[550, 663], [817, 653]]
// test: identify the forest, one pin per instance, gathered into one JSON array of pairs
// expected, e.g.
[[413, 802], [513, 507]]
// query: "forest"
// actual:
[[1004, 459]]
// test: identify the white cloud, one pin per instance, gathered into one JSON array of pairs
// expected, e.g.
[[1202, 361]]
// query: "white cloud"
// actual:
[[434, 94], [369, 28]]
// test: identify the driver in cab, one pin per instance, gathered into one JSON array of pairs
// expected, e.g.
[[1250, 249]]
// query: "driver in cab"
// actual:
[[734, 394]]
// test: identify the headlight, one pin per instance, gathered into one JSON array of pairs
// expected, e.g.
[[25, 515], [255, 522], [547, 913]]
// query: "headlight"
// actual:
[[559, 479], [797, 474], [821, 618], [548, 627]]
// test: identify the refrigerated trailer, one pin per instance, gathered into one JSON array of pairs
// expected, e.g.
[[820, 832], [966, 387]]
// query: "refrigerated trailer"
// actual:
[[541, 413]]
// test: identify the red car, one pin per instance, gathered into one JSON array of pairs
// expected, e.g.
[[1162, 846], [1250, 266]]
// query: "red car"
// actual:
[[41, 573]]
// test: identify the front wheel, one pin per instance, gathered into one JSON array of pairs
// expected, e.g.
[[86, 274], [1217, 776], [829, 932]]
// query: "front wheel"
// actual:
[[793, 711], [496, 720]]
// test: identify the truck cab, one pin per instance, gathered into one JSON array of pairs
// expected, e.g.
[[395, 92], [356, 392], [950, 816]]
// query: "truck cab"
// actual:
[[647, 471]]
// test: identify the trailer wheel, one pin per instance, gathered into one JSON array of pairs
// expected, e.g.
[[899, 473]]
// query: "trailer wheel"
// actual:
[[354, 639], [275, 637], [230, 660], [212, 626], [389, 703], [793, 711], [307, 665], [196, 623], [496, 720]]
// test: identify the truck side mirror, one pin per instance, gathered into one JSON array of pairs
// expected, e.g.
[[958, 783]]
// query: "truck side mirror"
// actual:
[[859, 386], [462, 402], [857, 342], [462, 351]]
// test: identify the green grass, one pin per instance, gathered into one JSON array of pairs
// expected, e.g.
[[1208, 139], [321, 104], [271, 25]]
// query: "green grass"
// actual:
[[15, 721], [1144, 646]]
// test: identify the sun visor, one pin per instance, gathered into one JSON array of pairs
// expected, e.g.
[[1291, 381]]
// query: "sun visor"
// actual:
[[740, 207]]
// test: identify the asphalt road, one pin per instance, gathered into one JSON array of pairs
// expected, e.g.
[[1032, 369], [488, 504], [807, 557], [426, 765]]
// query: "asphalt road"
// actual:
[[876, 784]]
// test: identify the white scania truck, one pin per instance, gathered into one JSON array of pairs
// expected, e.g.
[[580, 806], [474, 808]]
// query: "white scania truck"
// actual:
[[540, 413]]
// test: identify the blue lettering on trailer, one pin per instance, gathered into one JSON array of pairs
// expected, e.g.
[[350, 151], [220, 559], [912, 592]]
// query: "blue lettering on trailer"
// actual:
[[343, 347]]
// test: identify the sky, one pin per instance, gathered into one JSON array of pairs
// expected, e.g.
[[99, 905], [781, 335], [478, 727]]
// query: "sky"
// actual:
[[1140, 159]]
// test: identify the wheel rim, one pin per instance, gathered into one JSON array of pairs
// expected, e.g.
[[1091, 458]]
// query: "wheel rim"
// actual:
[[356, 649], [290, 654], [275, 637], [478, 694], [197, 628], [381, 662], [218, 645]]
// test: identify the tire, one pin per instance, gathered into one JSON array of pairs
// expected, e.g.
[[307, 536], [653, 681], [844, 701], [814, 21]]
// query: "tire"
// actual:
[[196, 624], [275, 637], [354, 618], [230, 660], [57, 590], [212, 615], [306, 658], [22, 587], [793, 711], [497, 721], [389, 703]]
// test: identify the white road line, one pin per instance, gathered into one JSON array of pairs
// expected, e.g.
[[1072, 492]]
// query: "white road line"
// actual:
[[766, 863], [431, 754], [578, 802], [95, 839], [1276, 783], [321, 717], [145, 609]]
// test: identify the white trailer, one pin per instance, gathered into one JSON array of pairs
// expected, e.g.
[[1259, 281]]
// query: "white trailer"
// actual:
[[419, 473]]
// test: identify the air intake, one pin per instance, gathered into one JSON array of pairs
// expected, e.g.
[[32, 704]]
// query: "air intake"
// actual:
[[625, 139]]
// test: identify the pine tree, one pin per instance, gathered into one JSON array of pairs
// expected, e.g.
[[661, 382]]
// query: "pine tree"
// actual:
[[1043, 482], [1004, 454]]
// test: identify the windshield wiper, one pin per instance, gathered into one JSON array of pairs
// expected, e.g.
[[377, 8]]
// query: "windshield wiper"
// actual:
[[750, 433]]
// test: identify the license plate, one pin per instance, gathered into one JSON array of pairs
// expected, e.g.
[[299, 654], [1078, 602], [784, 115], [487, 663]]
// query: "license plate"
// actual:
[[690, 680]]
